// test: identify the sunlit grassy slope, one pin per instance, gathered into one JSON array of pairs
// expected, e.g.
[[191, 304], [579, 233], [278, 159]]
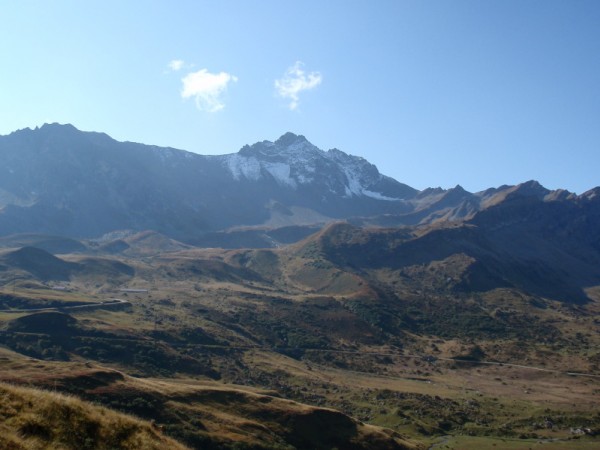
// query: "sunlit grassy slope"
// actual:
[[32, 419]]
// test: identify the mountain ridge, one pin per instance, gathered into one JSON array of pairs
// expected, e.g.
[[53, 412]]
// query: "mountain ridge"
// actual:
[[61, 181]]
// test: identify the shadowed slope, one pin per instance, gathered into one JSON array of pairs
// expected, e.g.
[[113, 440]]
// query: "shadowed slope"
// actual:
[[548, 248]]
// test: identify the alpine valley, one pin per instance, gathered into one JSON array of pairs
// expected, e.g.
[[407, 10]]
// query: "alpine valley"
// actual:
[[286, 297]]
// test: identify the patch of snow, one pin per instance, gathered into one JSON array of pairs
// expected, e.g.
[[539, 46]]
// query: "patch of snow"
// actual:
[[240, 166], [356, 179], [377, 195], [353, 187], [299, 164], [281, 173], [304, 179], [303, 148]]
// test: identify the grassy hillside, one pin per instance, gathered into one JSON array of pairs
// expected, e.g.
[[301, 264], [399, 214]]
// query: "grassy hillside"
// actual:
[[204, 414], [481, 331], [32, 419]]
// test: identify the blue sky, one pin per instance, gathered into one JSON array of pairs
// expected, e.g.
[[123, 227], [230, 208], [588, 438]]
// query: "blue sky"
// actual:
[[435, 93]]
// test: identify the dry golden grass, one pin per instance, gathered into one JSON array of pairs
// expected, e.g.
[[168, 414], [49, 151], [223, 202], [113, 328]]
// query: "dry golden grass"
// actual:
[[39, 295], [376, 389], [32, 419], [226, 414]]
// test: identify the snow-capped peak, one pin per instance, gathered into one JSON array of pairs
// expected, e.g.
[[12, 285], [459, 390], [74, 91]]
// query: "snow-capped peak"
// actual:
[[292, 161]]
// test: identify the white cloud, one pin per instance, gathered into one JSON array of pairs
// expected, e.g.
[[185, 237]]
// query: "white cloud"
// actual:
[[294, 81], [206, 88], [176, 64]]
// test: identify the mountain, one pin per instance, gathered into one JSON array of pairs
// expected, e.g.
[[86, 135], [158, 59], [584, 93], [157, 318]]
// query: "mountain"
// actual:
[[294, 162], [527, 242], [32, 263], [59, 180], [204, 415], [445, 316], [38, 262]]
